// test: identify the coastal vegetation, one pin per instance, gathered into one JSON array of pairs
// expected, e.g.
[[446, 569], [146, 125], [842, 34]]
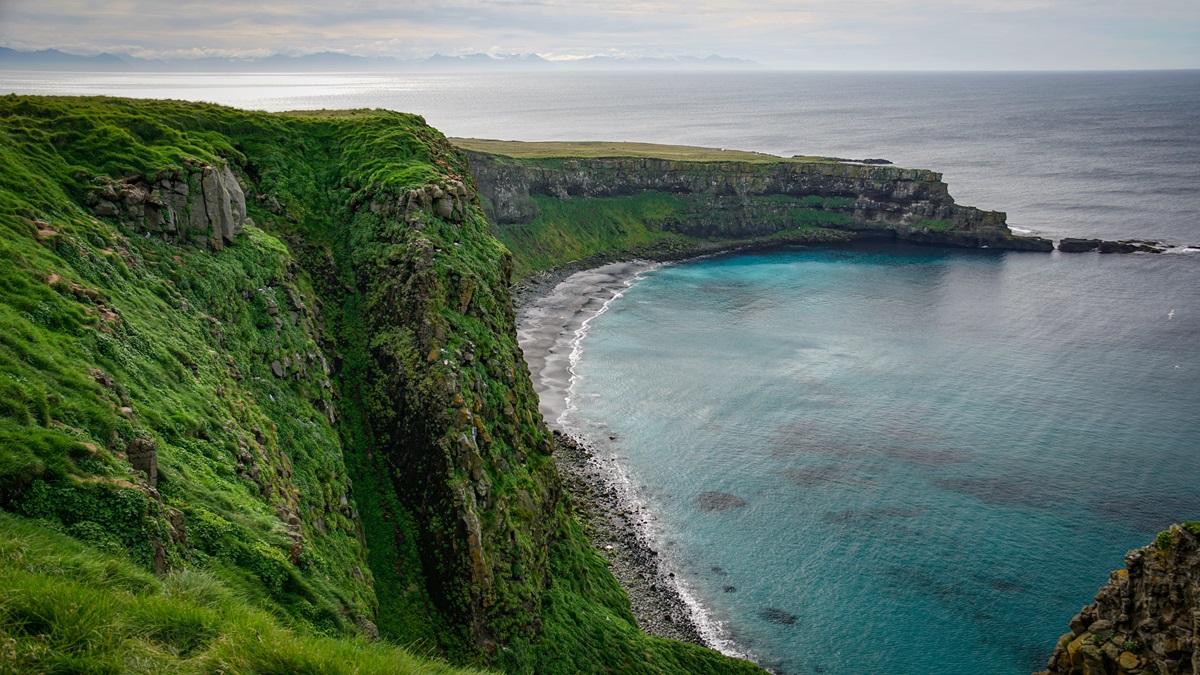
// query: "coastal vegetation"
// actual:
[[263, 409], [261, 403], [577, 149], [567, 205]]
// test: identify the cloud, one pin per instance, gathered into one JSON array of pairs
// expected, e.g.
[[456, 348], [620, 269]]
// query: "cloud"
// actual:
[[883, 34]]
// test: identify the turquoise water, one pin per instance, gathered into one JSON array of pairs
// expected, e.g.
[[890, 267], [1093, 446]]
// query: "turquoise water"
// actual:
[[942, 453]]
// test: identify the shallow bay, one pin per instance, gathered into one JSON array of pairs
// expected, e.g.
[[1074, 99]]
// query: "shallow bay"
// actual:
[[941, 453]]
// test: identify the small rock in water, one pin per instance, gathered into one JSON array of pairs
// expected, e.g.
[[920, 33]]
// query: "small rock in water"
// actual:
[[719, 501], [777, 616], [731, 589]]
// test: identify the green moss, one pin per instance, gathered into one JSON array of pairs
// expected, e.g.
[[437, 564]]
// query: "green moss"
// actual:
[[1164, 540], [67, 607], [429, 506], [937, 225]]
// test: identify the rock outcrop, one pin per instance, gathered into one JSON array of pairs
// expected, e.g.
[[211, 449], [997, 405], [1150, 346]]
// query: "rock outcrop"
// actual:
[[205, 205], [744, 199], [1070, 245], [1146, 620]]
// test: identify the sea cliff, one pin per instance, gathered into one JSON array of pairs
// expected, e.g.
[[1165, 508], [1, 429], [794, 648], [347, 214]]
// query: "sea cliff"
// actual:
[[1146, 619], [263, 409], [659, 204]]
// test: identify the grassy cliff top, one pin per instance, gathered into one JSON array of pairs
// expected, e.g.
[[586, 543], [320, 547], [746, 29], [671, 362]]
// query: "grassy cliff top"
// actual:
[[544, 149]]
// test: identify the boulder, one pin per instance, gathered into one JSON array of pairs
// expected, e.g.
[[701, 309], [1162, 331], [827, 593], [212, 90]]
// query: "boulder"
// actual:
[[1116, 247], [211, 216], [142, 454], [1147, 619], [1070, 245]]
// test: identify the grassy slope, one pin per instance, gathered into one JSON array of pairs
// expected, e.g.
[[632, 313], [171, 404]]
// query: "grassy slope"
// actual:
[[548, 149], [583, 229], [187, 340], [66, 607]]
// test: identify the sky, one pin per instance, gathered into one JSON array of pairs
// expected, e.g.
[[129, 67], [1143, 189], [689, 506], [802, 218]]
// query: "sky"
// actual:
[[786, 34]]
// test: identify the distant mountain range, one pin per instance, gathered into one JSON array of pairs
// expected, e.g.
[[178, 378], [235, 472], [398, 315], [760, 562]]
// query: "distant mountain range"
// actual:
[[52, 59]]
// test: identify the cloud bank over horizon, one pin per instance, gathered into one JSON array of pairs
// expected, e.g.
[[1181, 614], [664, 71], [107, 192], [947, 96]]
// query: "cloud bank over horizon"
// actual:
[[805, 34]]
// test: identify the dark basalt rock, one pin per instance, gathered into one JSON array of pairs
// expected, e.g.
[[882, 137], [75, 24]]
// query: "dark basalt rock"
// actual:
[[1116, 247], [142, 454], [737, 200], [1070, 245], [719, 501], [1145, 620], [1023, 244], [1130, 246]]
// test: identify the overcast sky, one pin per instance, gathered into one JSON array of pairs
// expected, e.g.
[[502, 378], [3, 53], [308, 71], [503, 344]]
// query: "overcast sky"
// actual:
[[819, 34]]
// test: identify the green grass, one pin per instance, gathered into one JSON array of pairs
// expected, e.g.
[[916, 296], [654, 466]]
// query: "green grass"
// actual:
[[110, 338], [574, 229], [939, 225], [66, 607], [568, 149]]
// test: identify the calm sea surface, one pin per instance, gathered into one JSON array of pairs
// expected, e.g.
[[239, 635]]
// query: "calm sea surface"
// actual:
[[1065, 154], [941, 453]]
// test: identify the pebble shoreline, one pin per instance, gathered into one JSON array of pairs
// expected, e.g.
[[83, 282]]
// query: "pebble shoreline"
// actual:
[[549, 313], [611, 523]]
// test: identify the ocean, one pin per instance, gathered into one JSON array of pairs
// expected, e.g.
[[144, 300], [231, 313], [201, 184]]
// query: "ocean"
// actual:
[[874, 459], [936, 456]]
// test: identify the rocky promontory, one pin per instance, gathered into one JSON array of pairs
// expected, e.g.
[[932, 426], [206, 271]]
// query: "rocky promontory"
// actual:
[[756, 196], [1146, 620]]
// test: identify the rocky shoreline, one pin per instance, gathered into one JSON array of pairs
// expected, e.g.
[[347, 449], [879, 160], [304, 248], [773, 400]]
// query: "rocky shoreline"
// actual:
[[549, 313], [615, 526]]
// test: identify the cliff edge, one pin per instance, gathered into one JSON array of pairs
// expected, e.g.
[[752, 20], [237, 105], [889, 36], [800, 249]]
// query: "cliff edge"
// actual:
[[1146, 620], [688, 196], [262, 408]]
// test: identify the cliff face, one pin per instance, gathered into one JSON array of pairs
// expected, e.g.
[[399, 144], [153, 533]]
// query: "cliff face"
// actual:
[[734, 200], [203, 204], [328, 414], [1146, 620]]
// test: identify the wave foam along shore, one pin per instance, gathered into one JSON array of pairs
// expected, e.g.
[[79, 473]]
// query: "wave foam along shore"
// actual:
[[549, 327]]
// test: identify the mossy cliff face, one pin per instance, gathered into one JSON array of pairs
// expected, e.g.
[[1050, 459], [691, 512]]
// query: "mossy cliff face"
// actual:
[[737, 200], [327, 412], [204, 205], [1146, 620]]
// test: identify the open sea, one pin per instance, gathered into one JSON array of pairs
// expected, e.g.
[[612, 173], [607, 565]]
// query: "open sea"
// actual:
[[930, 458]]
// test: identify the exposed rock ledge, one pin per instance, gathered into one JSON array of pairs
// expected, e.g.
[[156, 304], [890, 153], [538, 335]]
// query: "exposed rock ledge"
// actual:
[[745, 199], [1146, 620], [203, 204]]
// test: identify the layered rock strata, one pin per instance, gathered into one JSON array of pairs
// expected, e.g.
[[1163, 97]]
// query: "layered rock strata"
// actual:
[[1146, 620], [204, 205], [743, 199]]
